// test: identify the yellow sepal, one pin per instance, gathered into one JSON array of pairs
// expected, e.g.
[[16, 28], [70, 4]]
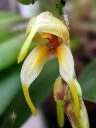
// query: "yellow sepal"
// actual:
[[60, 113], [74, 92], [28, 99], [25, 46]]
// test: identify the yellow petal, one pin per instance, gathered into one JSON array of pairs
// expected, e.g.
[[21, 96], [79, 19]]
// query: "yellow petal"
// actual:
[[57, 85], [67, 72], [31, 25], [66, 63], [74, 93], [31, 69], [46, 35], [28, 99], [43, 23], [26, 45], [33, 64], [39, 40], [47, 23], [60, 113], [59, 103], [84, 121], [78, 87]]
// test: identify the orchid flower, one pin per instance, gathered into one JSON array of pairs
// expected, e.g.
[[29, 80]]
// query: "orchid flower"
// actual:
[[65, 103], [51, 37]]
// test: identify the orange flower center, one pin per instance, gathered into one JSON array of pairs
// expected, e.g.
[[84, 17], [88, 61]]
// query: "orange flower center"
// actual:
[[53, 43]]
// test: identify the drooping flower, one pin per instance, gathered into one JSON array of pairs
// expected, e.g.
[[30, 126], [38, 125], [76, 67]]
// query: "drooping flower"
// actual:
[[65, 103], [52, 38]]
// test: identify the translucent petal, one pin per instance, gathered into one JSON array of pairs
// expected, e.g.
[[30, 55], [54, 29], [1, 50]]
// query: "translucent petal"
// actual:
[[75, 95], [43, 23], [60, 113], [60, 89], [28, 99], [66, 64], [47, 23], [33, 64], [59, 96], [31, 24], [26, 45], [82, 121], [31, 69]]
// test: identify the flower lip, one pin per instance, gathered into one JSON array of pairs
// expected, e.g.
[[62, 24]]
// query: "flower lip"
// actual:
[[53, 42]]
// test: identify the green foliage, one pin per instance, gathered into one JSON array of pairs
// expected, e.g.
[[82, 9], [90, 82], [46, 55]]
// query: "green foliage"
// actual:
[[53, 6], [9, 50], [26, 2], [9, 86], [10, 42], [88, 81], [6, 19], [4, 36]]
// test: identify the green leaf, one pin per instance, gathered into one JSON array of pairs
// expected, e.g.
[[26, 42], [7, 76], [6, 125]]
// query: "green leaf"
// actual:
[[39, 91], [9, 50], [9, 86], [6, 36], [88, 81]]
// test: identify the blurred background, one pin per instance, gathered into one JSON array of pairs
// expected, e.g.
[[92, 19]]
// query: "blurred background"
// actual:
[[80, 17]]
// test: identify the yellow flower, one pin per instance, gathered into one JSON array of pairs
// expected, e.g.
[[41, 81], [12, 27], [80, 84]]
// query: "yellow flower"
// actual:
[[52, 38]]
